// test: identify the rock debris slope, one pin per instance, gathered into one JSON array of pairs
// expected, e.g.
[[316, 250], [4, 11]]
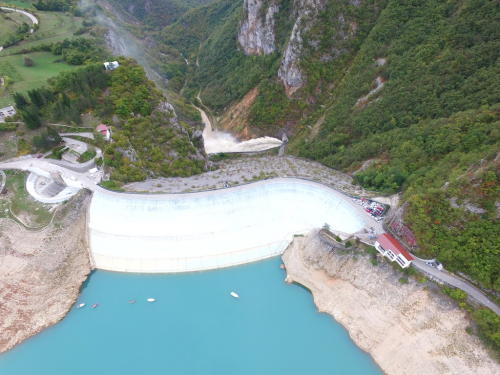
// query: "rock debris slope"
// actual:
[[407, 328]]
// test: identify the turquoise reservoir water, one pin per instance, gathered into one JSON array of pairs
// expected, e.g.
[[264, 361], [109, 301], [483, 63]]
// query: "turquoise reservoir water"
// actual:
[[194, 327]]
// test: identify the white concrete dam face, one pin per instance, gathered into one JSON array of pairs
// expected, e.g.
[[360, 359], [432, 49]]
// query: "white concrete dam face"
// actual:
[[207, 230]]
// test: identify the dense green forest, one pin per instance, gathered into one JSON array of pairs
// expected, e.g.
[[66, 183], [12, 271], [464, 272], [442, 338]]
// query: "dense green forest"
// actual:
[[441, 58]]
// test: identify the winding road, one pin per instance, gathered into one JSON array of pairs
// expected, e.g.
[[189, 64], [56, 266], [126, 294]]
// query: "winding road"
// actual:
[[29, 15], [457, 282]]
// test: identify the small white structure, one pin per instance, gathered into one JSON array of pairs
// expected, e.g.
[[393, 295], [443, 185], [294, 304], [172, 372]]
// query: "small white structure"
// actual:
[[390, 248], [103, 129], [111, 65], [6, 112]]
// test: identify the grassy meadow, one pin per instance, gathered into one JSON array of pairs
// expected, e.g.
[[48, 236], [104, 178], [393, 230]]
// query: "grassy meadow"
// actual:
[[18, 3], [28, 77], [9, 25], [54, 27]]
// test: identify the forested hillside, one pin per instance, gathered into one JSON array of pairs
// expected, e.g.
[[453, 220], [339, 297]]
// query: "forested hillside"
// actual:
[[148, 138]]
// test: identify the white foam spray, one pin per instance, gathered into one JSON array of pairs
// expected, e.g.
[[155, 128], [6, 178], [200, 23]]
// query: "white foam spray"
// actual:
[[217, 141]]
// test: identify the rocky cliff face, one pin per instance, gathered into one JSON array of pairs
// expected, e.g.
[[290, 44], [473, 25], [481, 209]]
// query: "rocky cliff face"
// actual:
[[256, 34], [289, 70], [115, 43], [307, 19], [407, 328]]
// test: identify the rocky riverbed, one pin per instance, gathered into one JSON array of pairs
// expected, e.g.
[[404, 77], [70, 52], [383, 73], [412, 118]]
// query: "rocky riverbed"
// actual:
[[407, 328], [41, 272]]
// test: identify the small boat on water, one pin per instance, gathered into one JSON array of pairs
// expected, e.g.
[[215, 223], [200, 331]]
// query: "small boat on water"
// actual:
[[151, 299], [95, 304], [235, 295], [80, 305], [132, 301]]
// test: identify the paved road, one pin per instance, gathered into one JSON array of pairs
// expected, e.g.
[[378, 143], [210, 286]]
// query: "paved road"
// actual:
[[457, 282], [86, 135], [31, 17]]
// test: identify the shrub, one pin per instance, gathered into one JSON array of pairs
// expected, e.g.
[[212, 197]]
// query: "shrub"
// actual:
[[98, 161], [404, 280], [28, 61]]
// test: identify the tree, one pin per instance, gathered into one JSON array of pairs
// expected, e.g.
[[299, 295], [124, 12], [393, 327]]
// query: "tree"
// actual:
[[41, 141], [28, 61], [31, 118], [54, 135], [20, 100], [36, 97]]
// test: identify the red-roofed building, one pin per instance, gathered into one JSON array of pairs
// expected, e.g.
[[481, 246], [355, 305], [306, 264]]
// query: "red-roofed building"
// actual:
[[103, 129], [389, 247]]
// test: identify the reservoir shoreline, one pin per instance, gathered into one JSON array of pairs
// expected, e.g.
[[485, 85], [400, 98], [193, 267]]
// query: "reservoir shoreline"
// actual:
[[406, 328]]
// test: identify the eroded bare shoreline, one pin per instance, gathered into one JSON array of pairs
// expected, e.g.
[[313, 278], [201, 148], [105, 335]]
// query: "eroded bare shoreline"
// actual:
[[406, 328], [41, 272]]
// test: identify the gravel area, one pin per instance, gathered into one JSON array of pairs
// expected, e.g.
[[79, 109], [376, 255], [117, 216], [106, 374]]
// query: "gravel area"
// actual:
[[250, 168]]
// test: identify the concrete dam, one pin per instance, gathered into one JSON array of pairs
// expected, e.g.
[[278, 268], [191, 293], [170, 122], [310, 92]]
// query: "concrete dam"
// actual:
[[212, 229]]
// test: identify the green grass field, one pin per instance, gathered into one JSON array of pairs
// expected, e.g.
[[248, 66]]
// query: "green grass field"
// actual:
[[26, 78], [54, 27], [9, 24], [18, 3]]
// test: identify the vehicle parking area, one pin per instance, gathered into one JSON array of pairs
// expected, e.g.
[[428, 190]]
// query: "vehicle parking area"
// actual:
[[373, 209]]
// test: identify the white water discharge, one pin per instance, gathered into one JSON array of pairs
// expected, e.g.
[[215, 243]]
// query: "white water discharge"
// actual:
[[213, 229], [217, 141]]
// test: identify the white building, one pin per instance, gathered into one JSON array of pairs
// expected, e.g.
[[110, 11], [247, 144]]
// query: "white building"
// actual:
[[390, 248], [103, 129], [111, 65], [6, 112]]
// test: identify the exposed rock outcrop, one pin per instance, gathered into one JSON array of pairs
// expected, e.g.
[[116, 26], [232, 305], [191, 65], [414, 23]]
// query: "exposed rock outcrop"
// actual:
[[407, 328], [115, 43], [307, 19], [289, 70], [41, 272], [256, 34]]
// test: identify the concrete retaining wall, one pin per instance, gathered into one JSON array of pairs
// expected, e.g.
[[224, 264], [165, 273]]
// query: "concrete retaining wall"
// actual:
[[207, 230]]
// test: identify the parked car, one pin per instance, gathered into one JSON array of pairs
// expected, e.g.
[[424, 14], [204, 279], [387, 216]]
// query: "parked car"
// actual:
[[39, 156], [430, 264]]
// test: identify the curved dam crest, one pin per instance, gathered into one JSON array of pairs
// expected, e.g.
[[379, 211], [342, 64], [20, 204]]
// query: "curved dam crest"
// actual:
[[209, 230]]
